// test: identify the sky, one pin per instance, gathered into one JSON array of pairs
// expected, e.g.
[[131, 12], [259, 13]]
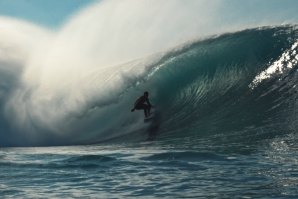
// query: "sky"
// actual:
[[252, 11], [53, 13], [50, 13]]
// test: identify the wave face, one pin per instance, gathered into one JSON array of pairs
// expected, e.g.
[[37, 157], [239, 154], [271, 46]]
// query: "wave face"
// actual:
[[241, 83]]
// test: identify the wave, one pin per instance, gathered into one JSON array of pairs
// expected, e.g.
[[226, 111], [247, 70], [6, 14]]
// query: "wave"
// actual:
[[241, 82], [74, 161], [186, 156], [90, 158], [235, 82]]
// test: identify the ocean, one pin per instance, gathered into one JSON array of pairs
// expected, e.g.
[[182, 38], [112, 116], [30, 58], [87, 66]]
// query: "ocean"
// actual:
[[225, 127]]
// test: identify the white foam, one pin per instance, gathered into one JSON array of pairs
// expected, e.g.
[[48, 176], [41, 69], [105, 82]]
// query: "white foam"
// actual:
[[285, 62]]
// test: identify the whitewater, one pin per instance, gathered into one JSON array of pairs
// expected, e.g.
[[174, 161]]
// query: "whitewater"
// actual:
[[225, 106]]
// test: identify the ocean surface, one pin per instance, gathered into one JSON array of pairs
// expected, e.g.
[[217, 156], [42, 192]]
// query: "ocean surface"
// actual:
[[225, 126]]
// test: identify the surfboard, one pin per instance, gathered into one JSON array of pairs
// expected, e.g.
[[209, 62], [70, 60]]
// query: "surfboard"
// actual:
[[150, 118]]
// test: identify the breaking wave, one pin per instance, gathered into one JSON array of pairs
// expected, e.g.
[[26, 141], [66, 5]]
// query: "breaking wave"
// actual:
[[242, 81]]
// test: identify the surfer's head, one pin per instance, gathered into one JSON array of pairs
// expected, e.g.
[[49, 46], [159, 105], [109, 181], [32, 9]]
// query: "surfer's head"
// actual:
[[146, 93]]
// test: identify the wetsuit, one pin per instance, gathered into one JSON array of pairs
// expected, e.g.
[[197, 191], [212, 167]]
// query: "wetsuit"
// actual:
[[143, 103]]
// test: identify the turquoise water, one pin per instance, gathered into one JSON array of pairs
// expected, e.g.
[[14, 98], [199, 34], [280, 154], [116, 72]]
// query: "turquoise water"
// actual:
[[225, 127], [150, 169]]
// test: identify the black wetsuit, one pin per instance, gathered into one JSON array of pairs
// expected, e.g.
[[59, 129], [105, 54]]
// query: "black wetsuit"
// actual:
[[143, 103]]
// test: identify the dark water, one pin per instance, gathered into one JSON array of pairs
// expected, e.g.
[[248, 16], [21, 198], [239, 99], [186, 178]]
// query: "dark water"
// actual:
[[225, 128]]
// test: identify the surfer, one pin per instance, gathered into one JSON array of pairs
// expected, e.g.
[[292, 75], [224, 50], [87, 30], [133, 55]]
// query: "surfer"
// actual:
[[142, 103]]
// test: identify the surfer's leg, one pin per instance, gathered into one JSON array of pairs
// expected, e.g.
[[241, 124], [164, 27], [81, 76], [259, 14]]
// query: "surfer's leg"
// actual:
[[149, 108], [146, 110], [144, 107]]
